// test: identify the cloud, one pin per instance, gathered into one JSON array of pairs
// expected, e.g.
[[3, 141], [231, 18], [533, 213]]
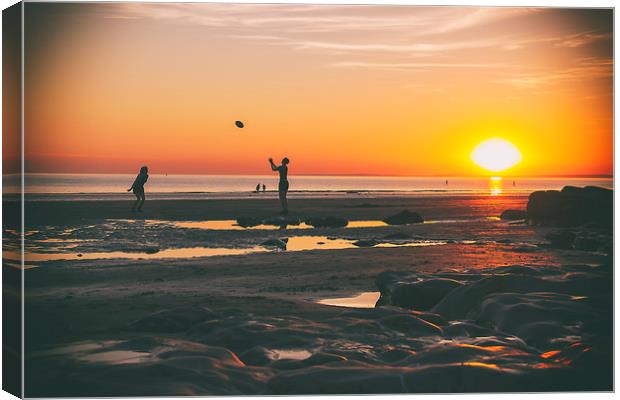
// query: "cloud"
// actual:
[[567, 41], [399, 38], [297, 18], [414, 65], [582, 39], [586, 69]]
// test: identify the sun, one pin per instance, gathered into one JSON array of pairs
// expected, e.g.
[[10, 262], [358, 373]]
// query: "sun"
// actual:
[[496, 155]]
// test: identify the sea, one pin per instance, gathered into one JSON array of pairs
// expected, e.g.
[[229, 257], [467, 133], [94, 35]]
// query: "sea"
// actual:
[[114, 186]]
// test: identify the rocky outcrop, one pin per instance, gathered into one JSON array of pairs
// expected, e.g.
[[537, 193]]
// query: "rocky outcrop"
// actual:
[[403, 218], [248, 222], [275, 243], [366, 243], [513, 215], [411, 291], [572, 206]]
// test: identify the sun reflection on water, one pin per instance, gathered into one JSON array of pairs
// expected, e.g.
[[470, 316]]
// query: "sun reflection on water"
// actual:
[[495, 185]]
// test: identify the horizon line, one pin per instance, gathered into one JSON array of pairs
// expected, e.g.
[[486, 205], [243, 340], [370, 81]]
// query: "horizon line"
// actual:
[[339, 175]]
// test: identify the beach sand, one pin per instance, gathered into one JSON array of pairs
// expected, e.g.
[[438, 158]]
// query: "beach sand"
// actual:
[[151, 319]]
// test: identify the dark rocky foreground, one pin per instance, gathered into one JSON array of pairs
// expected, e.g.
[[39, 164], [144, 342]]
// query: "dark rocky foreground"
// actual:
[[500, 329], [498, 307]]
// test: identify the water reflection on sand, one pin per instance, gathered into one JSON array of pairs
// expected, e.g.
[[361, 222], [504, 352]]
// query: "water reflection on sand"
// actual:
[[362, 300], [292, 244], [232, 225]]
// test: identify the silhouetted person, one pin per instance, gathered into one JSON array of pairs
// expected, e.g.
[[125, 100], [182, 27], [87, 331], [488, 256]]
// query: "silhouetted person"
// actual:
[[257, 188], [264, 187], [283, 184], [138, 188], [514, 183], [446, 181]]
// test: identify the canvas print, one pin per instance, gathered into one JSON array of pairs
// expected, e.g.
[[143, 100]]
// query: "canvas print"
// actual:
[[281, 199]]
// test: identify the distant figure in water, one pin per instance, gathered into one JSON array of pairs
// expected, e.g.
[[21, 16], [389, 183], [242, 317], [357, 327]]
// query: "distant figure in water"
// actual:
[[446, 181], [257, 188], [264, 187], [283, 185], [514, 183], [138, 189]]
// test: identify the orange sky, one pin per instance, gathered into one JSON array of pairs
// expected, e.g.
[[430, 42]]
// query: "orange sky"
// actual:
[[379, 90]]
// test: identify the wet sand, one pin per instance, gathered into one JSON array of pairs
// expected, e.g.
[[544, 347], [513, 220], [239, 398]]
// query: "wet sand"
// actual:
[[355, 207], [252, 323]]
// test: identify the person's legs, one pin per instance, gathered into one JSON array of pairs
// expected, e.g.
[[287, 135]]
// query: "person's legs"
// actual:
[[135, 204], [142, 198], [283, 201], [282, 191]]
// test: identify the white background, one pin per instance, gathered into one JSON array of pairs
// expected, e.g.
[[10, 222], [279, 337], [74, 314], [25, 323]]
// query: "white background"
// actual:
[[563, 3]]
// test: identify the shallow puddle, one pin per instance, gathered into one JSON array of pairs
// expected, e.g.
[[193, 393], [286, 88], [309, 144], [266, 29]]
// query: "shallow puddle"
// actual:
[[294, 243], [163, 254], [229, 225], [94, 351], [304, 243], [290, 354], [363, 300], [116, 357], [232, 225]]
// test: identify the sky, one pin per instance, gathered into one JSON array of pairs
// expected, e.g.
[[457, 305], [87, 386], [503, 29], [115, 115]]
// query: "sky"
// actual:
[[339, 90]]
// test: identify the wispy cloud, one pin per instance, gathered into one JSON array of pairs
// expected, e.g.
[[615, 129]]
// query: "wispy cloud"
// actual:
[[586, 69], [582, 39], [572, 40], [398, 38], [473, 17], [415, 20], [415, 65]]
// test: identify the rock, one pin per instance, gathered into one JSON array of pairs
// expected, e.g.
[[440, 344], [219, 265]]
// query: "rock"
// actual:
[[385, 280], [248, 222], [366, 243], [561, 239], [536, 318], [404, 217], [513, 215], [464, 301], [327, 222], [279, 243], [143, 249], [410, 291], [282, 221], [572, 206], [257, 355]]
